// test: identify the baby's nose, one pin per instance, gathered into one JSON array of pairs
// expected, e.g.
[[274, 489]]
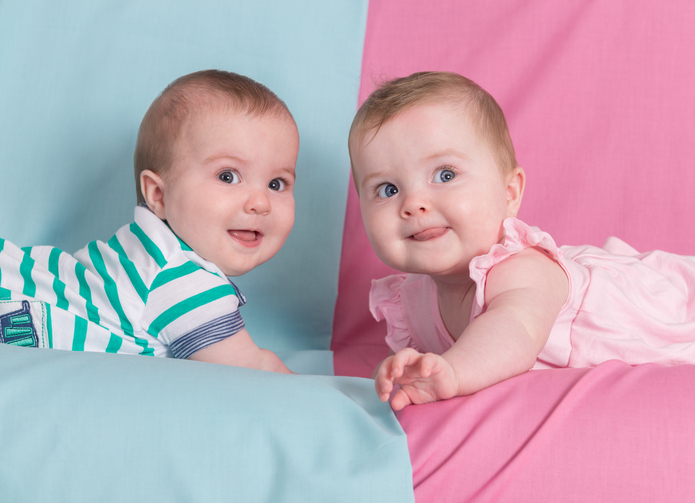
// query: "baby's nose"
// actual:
[[257, 202], [415, 204]]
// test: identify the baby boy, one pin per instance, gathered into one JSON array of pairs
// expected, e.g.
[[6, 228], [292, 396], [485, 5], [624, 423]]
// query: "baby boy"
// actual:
[[215, 167]]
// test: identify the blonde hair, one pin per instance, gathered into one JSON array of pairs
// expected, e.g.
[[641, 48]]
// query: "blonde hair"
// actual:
[[164, 120], [395, 96]]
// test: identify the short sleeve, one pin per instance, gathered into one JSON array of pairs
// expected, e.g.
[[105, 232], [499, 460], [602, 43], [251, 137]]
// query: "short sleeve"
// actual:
[[189, 309], [518, 236], [385, 304]]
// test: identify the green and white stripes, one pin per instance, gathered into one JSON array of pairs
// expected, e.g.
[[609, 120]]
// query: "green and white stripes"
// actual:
[[129, 269], [137, 293]]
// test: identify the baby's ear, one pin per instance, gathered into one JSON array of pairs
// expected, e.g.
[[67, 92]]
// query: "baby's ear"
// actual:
[[152, 187], [516, 181]]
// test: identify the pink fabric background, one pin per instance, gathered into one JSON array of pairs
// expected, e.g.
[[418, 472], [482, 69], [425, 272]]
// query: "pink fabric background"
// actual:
[[610, 434], [599, 100]]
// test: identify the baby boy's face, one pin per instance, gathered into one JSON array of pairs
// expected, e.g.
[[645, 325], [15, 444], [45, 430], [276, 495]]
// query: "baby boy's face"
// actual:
[[431, 192], [229, 192]]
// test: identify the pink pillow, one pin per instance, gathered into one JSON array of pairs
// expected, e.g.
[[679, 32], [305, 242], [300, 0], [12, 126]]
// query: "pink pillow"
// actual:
[[611, 433]]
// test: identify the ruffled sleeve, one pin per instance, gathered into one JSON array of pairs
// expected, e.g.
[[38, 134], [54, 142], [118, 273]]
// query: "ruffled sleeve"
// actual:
[[518, 236], [385, 304]]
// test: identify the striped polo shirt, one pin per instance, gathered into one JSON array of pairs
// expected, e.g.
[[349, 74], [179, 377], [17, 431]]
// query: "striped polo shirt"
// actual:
[[143, 292]]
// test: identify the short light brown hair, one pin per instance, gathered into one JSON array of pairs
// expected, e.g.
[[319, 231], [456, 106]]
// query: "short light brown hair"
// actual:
[[164, 120], [395, 96]]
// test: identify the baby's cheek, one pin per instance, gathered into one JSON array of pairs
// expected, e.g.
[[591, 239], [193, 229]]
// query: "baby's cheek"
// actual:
[[392, 253], [377, 226], [376, 238]]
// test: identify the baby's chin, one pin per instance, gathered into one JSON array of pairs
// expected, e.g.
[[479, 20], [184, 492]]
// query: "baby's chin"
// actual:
[[235, 270], [244, 260], [229, 269]]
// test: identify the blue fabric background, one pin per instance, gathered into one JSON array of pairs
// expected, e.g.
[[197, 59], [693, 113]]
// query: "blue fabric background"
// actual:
[[77, 77]]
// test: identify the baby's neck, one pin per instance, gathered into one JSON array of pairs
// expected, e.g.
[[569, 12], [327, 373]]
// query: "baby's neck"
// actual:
[[455, 298], [454, 286]]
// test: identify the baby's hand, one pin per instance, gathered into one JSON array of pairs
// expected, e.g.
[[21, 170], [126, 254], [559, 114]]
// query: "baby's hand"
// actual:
[[422, 378]]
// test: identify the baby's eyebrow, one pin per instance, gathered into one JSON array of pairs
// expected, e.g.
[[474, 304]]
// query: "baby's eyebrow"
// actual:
[[373, 176], [289, 172], [449, 152], [366, 182], [217, 157]]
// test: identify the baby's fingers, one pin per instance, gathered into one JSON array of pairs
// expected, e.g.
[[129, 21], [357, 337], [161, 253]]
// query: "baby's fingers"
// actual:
[[404, 358], [427, 364], [383, 382], [400, 399], [383, 390]]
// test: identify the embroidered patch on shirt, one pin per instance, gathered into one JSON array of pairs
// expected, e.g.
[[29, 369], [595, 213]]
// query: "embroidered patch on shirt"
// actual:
[[22, 323]]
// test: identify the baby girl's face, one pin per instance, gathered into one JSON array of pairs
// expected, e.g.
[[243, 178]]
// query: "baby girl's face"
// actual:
[[431, 192], [229, 193]]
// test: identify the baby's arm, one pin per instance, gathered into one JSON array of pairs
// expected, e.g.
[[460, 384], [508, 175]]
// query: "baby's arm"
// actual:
[[239, 350], [524, 295]]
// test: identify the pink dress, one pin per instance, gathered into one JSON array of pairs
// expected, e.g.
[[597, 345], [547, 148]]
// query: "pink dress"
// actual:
[[624, 305]]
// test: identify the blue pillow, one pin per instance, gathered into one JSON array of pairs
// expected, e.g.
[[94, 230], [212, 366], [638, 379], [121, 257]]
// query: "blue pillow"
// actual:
[[99, 427]]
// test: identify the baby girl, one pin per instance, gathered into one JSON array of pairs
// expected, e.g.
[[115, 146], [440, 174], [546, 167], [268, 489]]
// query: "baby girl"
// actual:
[[487, 297]]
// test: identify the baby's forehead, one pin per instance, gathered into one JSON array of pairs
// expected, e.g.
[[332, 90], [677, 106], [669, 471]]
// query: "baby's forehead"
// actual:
[[446, 109], [214, 129], [211, 112]]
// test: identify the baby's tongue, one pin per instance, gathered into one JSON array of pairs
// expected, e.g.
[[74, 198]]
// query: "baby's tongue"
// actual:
[[244, 235]]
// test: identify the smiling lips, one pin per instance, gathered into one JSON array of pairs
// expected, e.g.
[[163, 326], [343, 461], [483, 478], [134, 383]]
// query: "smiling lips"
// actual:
[[428, 234], [246, 238]]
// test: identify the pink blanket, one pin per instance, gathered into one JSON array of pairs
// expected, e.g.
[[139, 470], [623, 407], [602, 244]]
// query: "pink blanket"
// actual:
[[613, 433]]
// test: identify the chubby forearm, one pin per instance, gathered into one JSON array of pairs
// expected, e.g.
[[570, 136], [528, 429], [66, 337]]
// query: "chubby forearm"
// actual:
[[267, 360], [240, 350], [494, 347]]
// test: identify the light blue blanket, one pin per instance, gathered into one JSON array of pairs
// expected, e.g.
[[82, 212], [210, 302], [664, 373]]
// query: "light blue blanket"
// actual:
[[89, 427]]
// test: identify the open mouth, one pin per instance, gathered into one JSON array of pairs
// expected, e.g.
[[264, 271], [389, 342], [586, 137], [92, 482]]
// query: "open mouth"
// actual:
[[246, 237], [428, 234]]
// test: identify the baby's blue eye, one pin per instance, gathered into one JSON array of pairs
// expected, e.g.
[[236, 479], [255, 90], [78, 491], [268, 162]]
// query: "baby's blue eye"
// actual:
[[276, 184], [387, 190], [444, 175], [229, 177]]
